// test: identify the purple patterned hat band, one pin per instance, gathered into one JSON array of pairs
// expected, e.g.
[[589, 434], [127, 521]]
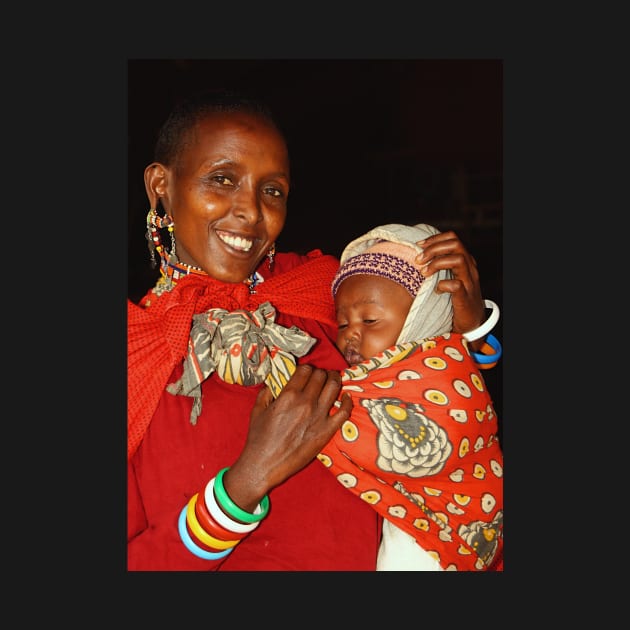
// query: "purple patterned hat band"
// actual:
[[378, 263]]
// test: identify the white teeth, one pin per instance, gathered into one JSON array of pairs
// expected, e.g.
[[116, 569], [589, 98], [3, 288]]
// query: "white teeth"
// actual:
[[237, 242]]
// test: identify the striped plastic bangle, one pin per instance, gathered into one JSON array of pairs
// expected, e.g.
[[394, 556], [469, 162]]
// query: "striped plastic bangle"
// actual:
[[231, 508]]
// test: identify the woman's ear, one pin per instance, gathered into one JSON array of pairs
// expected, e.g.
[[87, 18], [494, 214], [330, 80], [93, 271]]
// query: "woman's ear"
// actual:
[[155, 178]]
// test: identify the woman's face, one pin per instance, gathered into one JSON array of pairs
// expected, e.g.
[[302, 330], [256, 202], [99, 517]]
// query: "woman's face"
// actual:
[[227, 194], [371, 311]]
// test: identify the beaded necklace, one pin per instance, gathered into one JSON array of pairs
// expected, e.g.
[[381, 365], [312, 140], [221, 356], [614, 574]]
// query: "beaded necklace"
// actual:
[[172, 269]]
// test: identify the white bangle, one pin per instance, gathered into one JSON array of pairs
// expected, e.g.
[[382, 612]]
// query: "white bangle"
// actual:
[[487, 326], [221, 517]]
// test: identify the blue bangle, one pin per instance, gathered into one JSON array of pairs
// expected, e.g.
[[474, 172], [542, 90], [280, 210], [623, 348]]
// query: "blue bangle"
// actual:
[[482, 359], [190, 545]]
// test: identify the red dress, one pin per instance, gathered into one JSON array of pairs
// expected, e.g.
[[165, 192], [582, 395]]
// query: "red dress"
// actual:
[[314, 523]]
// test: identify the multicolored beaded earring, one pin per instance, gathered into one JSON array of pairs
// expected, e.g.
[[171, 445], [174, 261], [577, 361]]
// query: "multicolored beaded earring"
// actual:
[[270, 255], [171, 269], [256, 278], [154, 224]]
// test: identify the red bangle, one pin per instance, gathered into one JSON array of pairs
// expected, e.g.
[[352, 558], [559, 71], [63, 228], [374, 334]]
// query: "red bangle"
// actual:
[[217, 544], [210, 525], [200, 543]]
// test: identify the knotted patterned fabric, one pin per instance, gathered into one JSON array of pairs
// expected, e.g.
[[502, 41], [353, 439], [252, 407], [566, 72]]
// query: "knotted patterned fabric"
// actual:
[[244, 348], [158, 329]]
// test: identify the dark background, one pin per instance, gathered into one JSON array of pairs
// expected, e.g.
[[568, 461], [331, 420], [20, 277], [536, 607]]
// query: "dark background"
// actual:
[[370, 141]]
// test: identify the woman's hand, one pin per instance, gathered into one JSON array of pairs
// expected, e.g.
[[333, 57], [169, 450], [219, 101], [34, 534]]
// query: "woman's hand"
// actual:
[[446, 251], [287, 433]]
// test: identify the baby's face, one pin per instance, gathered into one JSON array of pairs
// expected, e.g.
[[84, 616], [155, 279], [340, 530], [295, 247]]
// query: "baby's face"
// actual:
[[371, 312]]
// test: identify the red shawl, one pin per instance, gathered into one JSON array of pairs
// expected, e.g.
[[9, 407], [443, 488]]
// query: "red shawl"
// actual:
[[158, 330]]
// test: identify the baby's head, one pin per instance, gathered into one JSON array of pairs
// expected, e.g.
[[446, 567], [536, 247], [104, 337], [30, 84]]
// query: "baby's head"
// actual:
[[381, 296]]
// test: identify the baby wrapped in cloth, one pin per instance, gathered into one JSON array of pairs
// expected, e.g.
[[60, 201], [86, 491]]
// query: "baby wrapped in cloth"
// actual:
[[421, 445]]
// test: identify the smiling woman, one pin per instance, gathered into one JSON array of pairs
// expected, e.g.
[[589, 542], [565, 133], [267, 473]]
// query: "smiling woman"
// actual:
[[235, 158]]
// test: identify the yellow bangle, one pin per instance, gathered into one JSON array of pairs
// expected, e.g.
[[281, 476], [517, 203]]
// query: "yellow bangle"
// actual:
[[202, 535]]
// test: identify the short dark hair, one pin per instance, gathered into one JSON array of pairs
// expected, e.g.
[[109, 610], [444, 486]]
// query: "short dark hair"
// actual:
[[174, 132]]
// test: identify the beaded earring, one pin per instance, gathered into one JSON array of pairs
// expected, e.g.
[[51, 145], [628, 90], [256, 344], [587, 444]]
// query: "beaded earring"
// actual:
[[270, 255], [154, 224], [153, 237], [255, 278]]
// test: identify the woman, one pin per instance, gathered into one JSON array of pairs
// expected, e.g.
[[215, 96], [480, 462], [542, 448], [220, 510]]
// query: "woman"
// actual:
[[222, 470]]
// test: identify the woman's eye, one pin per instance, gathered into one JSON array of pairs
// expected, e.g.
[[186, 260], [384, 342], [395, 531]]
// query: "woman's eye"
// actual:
[[274, 192], [223, 179]]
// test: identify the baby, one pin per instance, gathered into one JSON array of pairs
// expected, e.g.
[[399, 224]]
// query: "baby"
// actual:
[[421, 445]]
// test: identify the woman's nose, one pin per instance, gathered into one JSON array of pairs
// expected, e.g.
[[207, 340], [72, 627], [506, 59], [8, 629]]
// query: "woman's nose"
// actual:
[[247, 204]]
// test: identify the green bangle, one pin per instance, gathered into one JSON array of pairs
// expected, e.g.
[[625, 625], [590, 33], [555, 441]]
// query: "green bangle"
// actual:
[[231, 508]]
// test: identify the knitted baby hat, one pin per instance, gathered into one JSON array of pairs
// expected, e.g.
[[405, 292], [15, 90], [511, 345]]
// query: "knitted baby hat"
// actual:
[[389, 251], [393, 261]]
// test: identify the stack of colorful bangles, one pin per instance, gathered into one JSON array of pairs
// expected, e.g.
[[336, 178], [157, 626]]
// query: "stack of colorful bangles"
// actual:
[[491, 350], [211, 525]]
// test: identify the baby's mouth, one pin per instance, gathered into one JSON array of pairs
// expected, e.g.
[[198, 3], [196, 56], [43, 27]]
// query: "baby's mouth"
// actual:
[[352, 356]]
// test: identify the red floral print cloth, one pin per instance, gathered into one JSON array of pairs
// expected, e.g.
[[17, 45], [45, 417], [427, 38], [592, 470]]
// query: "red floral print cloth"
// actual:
[[421, 447]]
